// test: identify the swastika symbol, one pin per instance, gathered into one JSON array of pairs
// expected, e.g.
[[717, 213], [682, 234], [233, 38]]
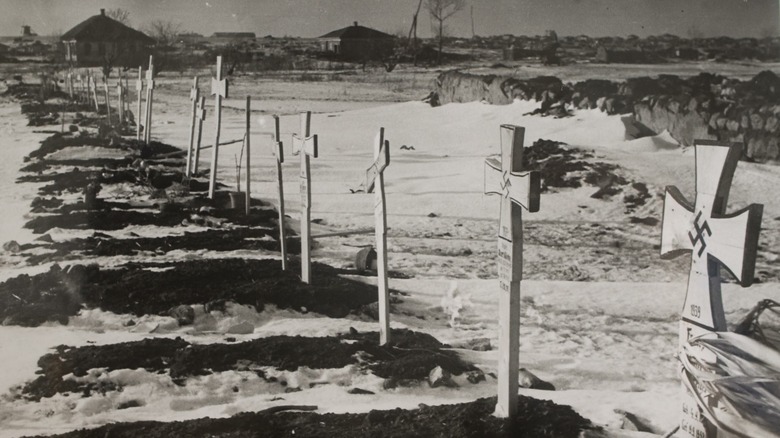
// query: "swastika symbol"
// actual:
[[700, 229], [506, 183]]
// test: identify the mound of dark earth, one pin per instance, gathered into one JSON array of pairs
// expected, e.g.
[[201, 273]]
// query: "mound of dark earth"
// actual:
[[39, 114], [61, 141], [409, 357], [562, 166], [154, 288], [100, 245], [534, 419]]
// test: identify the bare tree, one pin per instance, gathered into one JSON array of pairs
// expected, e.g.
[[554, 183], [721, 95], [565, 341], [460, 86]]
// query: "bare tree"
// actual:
[[441, 11], [120, 15], [164, 33]]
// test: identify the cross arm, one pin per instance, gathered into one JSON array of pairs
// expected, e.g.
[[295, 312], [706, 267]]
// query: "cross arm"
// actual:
[[676, 220], [523, 188], [308, 145], [737, 244], [382, 161]]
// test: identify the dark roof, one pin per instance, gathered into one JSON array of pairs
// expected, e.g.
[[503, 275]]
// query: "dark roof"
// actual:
[[357, 32], [234, 34], [102, 28]]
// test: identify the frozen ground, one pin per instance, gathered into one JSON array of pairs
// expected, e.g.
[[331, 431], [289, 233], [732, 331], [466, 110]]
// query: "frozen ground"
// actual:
[[599, 312]]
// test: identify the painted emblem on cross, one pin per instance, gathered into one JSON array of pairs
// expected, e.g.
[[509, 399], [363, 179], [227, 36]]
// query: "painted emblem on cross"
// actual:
[[713, 237]]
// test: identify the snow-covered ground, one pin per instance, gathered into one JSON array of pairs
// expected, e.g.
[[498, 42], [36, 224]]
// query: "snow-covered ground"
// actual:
[[607, 344]]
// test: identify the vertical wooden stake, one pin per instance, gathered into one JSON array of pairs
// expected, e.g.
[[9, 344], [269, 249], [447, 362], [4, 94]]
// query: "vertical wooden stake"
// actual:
[[219, 89], [201, 117], [375, 180], [70, 85], [194, 95], [139, 87], [279, 153], [120, 90], [108, 101], [248, 198], [149, 100], [93, 88]]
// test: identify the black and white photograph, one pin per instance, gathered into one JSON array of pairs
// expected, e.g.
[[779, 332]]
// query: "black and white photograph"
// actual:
[[390, 218]]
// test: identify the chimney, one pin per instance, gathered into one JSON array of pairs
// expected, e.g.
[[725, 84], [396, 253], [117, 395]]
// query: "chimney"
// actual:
[[354, 23], [103, 12]]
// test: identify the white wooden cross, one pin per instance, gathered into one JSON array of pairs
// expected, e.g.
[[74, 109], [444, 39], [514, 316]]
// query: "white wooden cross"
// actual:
[[149, 100], [305, 145], [200, 115], [70, 85], [518, 190], [194, 97], [278, 152], [713, 238], [375, 178], [219, 88], [139, 88], [120, 91]]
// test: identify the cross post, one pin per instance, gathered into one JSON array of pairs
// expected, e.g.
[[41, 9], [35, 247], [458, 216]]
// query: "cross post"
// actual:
[[139, 88], [120, 91], [305, 145], [149, 100], [219, 90], [278, 151], [194, 94], [93, 90], [375, 179], [714, 239], [70, 85], [247, 143], [108, 100], [200, 115], [518, 190]]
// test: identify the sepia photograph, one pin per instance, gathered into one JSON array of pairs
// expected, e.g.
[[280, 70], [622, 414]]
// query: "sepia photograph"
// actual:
[[390, 218]]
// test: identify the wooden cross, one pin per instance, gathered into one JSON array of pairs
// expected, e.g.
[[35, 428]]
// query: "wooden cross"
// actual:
[[219, 88], [278, 152], [200, 115], [517, 190], [375, 177], [194, 97], [713, 238], [149, 100], [139, 88], [80, 93], [305, 144], [70, 85]]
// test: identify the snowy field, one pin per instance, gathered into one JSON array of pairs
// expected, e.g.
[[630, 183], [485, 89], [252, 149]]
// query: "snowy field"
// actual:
[[599, 309]]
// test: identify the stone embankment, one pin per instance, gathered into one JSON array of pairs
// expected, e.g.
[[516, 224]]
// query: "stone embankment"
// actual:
[[705, 106]]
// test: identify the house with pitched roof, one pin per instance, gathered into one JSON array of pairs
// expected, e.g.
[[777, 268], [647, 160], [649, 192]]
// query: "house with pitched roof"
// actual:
[[100, 39], [357, 43]]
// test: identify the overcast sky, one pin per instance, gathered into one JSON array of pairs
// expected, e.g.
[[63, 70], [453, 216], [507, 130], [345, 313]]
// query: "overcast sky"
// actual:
[[311, 18]]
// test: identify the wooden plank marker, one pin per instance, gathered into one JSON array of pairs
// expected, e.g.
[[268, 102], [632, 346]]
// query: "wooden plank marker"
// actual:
[[375, 179], [518, 190], [120, 91], [194, 97], [93, 92], [70, 85], [200, 116], [713, 238], [278, 151], [139, 88], [108, 100], [219, 89], [247, 143], [305, 145], [149, 100]]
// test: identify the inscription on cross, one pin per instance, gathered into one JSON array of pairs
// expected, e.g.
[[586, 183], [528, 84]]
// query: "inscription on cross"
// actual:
[[305, 145], [375, 179], [518, 190], [714, 239]]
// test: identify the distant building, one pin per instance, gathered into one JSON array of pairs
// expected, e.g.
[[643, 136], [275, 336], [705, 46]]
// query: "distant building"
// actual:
[[99, 39], [621, 56], [233, 36], [357, 42]]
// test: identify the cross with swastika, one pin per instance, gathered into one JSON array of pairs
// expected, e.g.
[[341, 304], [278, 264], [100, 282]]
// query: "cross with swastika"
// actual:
[[518, 190], [713, 237]]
